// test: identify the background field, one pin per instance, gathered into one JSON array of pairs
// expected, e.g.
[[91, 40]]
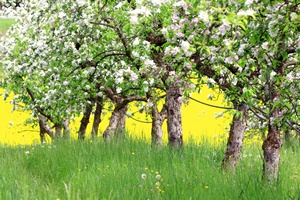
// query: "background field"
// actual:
[[198, 122]]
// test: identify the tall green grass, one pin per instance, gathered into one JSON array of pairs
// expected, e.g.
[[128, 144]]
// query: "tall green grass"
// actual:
[[98, 170]]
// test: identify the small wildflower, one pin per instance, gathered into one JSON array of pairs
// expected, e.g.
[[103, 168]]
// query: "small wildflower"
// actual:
[[143, 176], [206, 187], [26, 152], [158, 177], [157, 184], [146, 168], [132, 153]]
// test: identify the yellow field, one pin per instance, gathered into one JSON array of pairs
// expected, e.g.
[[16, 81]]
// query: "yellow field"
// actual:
[[198, 122]]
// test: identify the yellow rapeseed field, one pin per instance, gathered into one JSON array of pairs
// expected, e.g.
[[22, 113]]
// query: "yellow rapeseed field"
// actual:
[[198, 122]]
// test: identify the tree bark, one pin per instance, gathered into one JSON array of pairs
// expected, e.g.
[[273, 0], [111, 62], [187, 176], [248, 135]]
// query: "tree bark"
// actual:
[[58, 130], [174, 124], [157, 121], [116, 122], [271, 147], [235, 139], [85, 121], [45, 128], [97, 118], [66, 125], [122, 122], [42, 131]]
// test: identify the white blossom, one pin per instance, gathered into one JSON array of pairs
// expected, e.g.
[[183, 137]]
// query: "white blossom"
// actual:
[[186, 47], [211, 81], [248, 12], [248, 2], [293, 16], [272, 74], [265, 45], [164, 31], [171, 73], [136, 42], [203, 16], [119, 90]]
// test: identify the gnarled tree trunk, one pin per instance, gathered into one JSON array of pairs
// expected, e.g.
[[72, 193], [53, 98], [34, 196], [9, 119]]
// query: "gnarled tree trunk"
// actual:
[[85, 121], [116, 122], [235, 139], [97, 118], [122, 122], [174, 124], [271, 146], [158, 119], [45, 128]]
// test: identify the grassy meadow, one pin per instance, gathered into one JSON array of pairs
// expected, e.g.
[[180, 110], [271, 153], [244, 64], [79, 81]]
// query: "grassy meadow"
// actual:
[[131, 169]]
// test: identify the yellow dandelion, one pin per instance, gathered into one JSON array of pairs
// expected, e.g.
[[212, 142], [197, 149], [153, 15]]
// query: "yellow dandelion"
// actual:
[[132, 153], [206, 187], [146, 168]]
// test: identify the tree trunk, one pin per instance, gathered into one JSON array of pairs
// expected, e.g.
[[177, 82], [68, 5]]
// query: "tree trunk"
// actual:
[[122, 122], [97, 118], [85, 121], [42, 132], [157, 121], [235, 139], [271, 147], [116, 123], [66, 125], [174, 124], [45, 128], [113, 123], [58, 130]]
